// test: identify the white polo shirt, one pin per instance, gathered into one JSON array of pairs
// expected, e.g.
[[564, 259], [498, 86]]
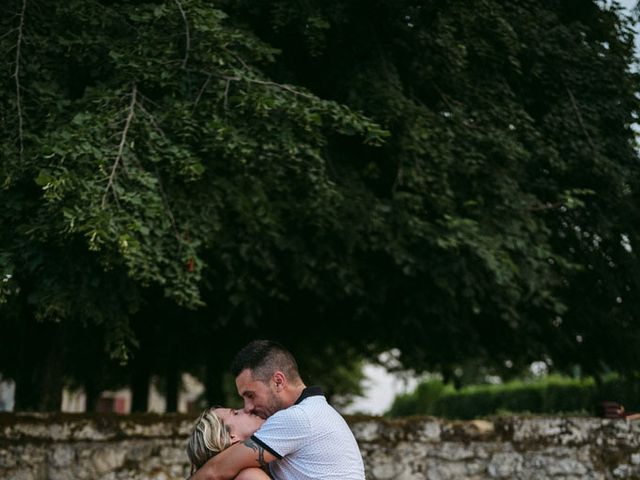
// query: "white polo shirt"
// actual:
[[311, 441]]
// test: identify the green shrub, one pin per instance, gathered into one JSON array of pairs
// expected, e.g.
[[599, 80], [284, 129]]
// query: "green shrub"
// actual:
[[422, 400], [550, 395]]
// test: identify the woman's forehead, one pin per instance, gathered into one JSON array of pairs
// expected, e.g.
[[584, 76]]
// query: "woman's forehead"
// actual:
[[222, 413]]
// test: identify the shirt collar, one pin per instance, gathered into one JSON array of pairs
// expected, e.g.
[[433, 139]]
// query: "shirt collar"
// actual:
[[309, 392]]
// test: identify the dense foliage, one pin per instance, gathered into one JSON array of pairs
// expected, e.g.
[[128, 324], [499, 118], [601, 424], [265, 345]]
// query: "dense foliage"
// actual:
[[178, 176], [145, 158], [502, 214]]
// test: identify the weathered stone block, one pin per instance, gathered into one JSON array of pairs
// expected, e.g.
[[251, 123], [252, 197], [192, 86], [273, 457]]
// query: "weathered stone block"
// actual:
[[507, 464]]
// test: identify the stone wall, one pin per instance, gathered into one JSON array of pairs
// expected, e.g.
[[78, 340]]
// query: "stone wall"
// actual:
[[66, 447]]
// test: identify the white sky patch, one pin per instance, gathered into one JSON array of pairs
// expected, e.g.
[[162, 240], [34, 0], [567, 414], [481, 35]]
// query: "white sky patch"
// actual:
[[381, 388]]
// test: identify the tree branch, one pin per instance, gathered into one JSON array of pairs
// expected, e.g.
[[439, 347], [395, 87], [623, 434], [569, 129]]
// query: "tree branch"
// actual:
[[266, 83], [7, 33], [201, 92], [542, 208], [237, 58], [186, 34], [226, 94], [123, 141], [445, 98], [580, 121], [16, 75], [282, 86], [398, 180], [152, 119], [165, 199]]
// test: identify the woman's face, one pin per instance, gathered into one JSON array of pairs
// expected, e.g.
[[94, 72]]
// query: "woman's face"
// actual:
[[241, 425]]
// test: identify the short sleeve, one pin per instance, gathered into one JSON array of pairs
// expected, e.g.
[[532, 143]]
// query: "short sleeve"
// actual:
[[284, 432]]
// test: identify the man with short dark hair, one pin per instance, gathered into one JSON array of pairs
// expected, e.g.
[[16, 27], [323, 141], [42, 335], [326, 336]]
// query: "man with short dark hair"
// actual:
[[303, 437]]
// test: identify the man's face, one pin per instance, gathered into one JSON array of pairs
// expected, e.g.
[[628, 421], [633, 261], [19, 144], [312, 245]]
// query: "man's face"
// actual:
[[260, 398]]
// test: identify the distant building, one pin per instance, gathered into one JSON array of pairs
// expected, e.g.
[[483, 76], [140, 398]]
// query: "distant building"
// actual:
[[119, 401], [7, 394]]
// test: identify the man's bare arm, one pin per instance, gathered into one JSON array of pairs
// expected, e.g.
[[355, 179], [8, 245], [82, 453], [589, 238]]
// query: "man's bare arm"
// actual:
[[228, 463]]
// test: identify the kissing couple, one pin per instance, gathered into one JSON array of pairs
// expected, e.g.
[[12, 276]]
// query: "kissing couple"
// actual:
[[286, 430]]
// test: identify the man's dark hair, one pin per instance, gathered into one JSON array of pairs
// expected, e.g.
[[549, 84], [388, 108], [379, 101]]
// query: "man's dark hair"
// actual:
[[264, 358]]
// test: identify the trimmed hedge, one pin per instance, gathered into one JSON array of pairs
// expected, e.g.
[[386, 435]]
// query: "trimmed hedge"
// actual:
[[551, 395]]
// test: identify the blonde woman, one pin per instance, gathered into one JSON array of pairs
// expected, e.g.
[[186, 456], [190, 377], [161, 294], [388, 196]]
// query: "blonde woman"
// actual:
[[218, 429]]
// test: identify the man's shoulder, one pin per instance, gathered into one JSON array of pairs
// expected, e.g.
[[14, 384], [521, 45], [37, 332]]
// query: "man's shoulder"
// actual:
[[318, 406], [290, 416]]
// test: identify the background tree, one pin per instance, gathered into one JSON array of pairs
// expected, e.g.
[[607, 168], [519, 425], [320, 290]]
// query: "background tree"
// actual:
[[173, 175], [510, 138], [142, 147]]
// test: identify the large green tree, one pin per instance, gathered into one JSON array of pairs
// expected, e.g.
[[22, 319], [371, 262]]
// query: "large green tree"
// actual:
[[147, 157], [179, 181], [501, 216]]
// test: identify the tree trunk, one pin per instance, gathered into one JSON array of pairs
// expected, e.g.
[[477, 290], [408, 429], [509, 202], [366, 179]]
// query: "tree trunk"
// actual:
[[25, 392], [173, 380], [92, 394], [39, 381], [140, 388], [50, 373], [213, 385]]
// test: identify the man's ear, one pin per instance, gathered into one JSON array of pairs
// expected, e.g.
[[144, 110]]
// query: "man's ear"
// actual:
[[280, 380]]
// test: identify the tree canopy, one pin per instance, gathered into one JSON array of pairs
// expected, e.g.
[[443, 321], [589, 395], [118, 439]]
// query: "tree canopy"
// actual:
[[454, 179], [501, 214]]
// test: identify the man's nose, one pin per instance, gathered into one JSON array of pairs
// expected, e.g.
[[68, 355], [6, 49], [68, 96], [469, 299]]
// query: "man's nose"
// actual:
[[248, 406]]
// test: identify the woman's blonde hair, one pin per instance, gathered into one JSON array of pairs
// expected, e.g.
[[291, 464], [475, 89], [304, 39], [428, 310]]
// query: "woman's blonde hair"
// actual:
[[208, 438]]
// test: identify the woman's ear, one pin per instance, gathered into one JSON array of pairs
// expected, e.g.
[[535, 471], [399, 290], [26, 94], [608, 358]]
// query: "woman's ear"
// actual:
[[234, 439]]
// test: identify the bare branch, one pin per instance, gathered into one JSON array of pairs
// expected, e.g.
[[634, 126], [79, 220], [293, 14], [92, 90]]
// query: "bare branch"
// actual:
[[8, 32], [148, 100], [443, 96], [580, 121], [201, 92], [237, 58], [152, 119], [398, 181], [186, 34], [281, 86], [226, 93], [266, 83], [123, 141], [16, 75], [541, 208]]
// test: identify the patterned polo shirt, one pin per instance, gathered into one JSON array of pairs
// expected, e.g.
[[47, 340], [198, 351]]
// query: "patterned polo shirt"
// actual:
[[311, 441]]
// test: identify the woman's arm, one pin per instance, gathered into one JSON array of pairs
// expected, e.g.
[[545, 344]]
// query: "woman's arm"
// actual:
[[252, 474], [229, 463]]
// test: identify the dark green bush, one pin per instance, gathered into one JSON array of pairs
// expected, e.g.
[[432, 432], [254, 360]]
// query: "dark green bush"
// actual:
[[550, 395]]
